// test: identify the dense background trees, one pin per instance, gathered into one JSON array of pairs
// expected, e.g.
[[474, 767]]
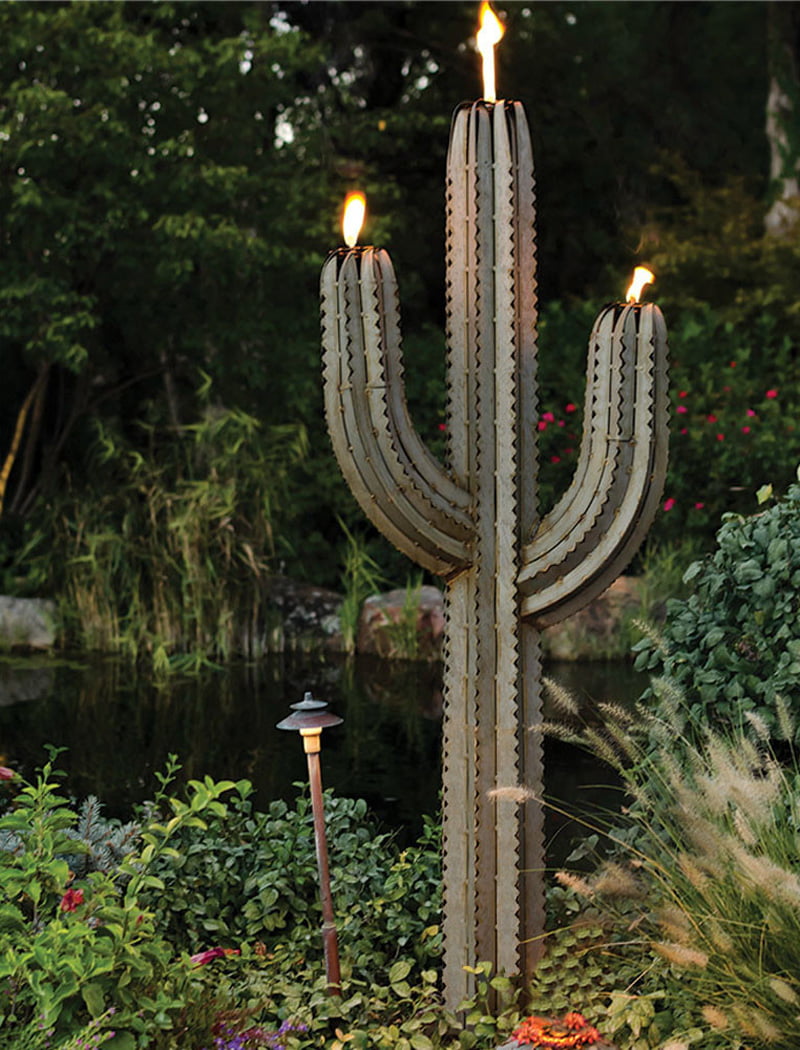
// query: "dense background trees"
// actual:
[[171, 181]]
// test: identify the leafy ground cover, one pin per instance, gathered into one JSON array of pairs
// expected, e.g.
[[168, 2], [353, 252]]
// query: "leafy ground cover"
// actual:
[[196, 926]]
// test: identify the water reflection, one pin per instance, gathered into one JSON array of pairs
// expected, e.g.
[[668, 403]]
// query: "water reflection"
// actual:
[[118, 728]]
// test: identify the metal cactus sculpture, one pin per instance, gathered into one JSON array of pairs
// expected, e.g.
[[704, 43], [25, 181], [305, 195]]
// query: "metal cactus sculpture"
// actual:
[[508, 573]]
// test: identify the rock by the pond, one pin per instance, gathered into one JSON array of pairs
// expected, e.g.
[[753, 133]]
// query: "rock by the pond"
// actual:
[[410, 624], [302, 617], [403, 624], [591, 633], [27, 623]]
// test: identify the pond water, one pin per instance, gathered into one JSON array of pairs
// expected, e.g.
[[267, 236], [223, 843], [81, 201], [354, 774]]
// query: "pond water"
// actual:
[[118, 727]]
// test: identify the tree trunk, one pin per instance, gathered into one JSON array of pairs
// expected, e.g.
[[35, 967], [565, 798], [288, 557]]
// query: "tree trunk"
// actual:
[[783, 117]]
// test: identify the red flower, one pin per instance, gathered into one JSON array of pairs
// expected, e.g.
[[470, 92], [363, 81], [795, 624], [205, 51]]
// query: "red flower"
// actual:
[[683, 393], [443, 426], [699, 506], [549, 417], [555, 459], [711, 418], [213, 953], [669, 503], [541, 425], [681, 410], [71, 900], [771, 393], [720, 437], [569, 407], [745, 430]]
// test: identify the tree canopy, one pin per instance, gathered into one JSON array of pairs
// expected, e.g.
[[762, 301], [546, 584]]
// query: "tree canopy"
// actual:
[[173, 174]]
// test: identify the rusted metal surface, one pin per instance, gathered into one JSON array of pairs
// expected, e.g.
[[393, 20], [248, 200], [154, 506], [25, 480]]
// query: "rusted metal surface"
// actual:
[[330, 941], [309, 717], [475, 521]]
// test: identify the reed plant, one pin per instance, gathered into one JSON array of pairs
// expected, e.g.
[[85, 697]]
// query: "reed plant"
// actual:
[[708, 866], [165, 555], [361, 577]]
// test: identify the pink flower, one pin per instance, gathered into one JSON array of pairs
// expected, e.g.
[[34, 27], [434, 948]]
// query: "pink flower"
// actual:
[[541, 425], [549, 417], [745, 430], [720, 437], [213, 953], [711, 418], [669, 503], [681, 410], [684, 430], [555, 459], [569, 407], [750, 413], [6, 773], [443, 426], [771, 393], [699, 506], [71, 900], [561, 423]]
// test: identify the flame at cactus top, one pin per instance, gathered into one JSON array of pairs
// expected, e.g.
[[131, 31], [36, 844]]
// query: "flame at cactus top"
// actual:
[[355, 206], [489, 34], [641, 277]]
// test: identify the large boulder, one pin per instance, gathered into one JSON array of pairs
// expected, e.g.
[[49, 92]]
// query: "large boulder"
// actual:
[[403, 624], [593, 633], [27, 623], [409, 624], [302, 617]]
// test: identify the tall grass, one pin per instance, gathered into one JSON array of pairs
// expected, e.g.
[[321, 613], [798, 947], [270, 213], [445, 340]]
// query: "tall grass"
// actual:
[[361, 577], [713, 852], [166, 554]]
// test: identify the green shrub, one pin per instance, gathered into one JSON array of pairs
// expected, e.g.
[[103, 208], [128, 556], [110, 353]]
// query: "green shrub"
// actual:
[[84, 956], [733, 646], [251, 878]]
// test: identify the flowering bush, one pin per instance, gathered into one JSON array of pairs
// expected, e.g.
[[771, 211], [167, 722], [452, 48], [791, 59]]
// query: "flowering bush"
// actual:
[[75, 958]]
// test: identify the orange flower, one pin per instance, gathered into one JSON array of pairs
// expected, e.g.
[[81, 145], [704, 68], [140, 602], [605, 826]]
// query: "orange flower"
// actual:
[[548, 1033]]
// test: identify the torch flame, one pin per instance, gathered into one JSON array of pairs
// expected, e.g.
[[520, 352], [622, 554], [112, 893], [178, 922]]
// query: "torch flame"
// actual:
[[641, 277], [355, 206], [489, 34]]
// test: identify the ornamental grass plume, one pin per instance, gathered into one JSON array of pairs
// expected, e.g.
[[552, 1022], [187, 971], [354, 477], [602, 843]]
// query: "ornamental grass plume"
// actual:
[[714, 837]]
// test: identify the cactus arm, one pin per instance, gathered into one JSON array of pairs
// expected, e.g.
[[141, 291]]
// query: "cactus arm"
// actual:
[[573, 565], [389, 488], [387, 392]]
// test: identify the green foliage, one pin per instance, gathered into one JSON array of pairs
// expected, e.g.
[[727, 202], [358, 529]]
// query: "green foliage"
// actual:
[[165, 556], [733, 647], [252, 877], [75, 951], [361, 576]]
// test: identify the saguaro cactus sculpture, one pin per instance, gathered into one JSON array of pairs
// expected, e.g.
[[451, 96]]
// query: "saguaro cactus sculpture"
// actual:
[[475, 522]]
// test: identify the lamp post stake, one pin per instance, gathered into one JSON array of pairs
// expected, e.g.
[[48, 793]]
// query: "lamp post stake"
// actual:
[[310, 719]]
